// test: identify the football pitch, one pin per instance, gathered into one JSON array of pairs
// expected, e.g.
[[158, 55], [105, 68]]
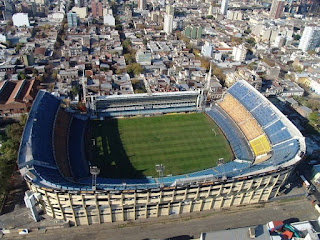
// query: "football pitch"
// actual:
[[131, 147]]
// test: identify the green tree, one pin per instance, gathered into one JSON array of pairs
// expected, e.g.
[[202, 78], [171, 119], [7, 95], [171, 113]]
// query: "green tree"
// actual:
[[296, 37], [129, 58], [251, 41], [21, 76], [54, 75], [126, 44], [134, 69], [9, 151]]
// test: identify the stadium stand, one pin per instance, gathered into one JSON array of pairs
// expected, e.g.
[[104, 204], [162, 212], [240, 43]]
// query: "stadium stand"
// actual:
[[61, 133], [41, 136], [260, 145], [264, 114], [143, 104], [241, 116], [277, 132], [78, 162], [243, 181], [284, 151], [237, 140], [283, 146], [47, 123]]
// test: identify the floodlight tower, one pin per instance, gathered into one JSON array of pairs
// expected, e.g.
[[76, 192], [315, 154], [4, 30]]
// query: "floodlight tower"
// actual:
[[221, 163], [94, 170], [160, 169]]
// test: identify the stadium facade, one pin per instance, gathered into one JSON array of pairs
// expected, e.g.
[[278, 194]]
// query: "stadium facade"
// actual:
[[266, 146]]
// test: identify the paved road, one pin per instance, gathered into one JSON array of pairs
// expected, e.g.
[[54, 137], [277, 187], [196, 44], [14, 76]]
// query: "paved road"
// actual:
[[191, 224]]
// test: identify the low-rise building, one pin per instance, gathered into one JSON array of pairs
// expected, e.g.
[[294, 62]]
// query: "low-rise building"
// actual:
[[17, 96]]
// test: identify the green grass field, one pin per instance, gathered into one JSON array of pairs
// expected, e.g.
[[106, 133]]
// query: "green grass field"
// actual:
[[131, 147]]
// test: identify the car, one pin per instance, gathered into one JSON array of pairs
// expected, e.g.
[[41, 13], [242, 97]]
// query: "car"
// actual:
[[23, 231]]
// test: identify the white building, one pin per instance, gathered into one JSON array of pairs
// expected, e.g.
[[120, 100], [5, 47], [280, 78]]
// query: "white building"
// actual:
[[109, 20], [107, 11], [170, 10], [168, 24], [239, 53], [224, 7], [279, 41], [207, 50], [3, 38], [142, 4], [315, 86], [56, 17], [310, 38], [43, 2], [80, 11], [234, 15], [213, 10], [20, 20]]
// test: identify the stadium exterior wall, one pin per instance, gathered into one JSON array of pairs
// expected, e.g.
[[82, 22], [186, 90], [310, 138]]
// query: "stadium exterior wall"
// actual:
[[85, 208]]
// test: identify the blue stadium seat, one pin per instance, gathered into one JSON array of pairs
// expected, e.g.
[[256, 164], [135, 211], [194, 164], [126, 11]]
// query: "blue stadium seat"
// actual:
[[264, 114], [284, 152], [277, 132], [238, 142], [44, 116], [238, 90], [78, 162], [251, 101]]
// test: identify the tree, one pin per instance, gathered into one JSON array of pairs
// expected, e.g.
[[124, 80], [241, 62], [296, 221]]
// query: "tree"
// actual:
[[74, 91], [296, 37], [247, 31], [251, 41], [126, 44], [134, 69], [9, 151], [21, 76], [54, 75], [145, 42], [18, 47], [129, 58]]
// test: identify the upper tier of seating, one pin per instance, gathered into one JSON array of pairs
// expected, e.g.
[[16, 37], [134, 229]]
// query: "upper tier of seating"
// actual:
[[241, 116], [42, 129], [277, 132], [260, 109]]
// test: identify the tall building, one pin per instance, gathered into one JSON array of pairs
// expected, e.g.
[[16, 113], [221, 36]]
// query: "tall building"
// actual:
[[170, 10], [224, 7], [96, 9], [207, 50], [310, 38], [100, 9], [168, 23], [142, 4], [72, 19], [9, 6], [9, 10], [276, 9], [239, 53], [193, 32]]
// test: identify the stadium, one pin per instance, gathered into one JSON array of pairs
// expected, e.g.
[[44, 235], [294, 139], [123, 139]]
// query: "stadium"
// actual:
[[53, 157]]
